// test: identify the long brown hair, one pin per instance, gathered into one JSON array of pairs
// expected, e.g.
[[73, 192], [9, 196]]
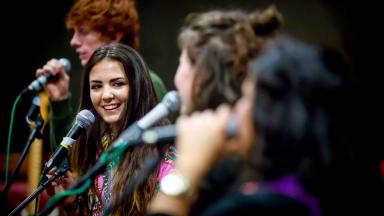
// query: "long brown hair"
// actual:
[[142, 99], [220, 44]]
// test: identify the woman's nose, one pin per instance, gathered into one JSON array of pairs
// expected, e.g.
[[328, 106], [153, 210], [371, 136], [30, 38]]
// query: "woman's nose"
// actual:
[[107, 94]]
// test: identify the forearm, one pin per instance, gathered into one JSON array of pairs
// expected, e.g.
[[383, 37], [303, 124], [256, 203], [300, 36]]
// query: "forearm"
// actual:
[[180, 204], [169, 205]]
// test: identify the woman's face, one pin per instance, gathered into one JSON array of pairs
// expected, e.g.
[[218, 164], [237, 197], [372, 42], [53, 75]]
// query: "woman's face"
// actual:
[[243, 111], [85, 42], [183, 80], [109, 91]]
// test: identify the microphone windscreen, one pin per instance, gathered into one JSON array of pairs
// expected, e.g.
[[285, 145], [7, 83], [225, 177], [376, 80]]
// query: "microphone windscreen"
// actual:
[[66, 64], [172, 101], [85, 118]]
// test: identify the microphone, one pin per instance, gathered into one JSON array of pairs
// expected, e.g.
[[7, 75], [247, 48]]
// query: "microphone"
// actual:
[[170, 103], [34, 110], [167, 134], [37, 85], [83, 121], [162, 134]]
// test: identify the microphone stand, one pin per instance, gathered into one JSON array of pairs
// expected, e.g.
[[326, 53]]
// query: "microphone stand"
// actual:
[[90, 174], [59, 172], [34, 133]]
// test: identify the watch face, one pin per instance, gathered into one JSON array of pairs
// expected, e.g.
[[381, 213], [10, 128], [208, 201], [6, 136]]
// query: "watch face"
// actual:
[[174, 184]]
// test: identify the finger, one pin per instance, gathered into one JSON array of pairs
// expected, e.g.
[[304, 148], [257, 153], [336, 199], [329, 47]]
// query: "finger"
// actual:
[[56, 65], [181, 119], [223, 109], [54, 183], [67, 181], [225, 116], [39, 72], [59, 181], [52, 171], [49, 69], [206, 112]]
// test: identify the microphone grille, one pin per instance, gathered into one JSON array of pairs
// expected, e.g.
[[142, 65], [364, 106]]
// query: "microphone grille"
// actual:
[[172, 101], [85, 118], [66, 64]]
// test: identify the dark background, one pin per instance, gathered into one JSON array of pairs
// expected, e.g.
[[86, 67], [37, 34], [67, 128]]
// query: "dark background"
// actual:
[[32, 32]]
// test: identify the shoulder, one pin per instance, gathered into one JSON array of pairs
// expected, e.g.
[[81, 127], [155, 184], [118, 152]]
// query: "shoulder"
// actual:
[[154, 76], [260, 203], [158, 84]]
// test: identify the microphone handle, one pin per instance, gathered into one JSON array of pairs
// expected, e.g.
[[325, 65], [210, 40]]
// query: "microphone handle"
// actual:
[[57, 157], [62, 151], [167, 134], [156, 114], [73, 133], [37, 85], [162, 134]]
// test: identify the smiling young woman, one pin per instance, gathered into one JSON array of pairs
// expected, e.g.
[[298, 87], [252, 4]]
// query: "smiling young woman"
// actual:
[[117, 88]]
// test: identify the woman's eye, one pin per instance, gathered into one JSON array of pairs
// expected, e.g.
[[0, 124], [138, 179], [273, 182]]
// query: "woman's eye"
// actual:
[[95, 86], [117, 84]]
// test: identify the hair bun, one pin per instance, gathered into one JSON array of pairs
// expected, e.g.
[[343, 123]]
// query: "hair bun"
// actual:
[[266, 22]]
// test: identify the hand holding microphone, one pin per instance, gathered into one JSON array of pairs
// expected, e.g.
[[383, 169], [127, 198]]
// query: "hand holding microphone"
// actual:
[[53, 77], [226, 131], [202, 138]]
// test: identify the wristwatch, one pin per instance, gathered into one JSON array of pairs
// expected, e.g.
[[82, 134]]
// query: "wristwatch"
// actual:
[[174, 184]]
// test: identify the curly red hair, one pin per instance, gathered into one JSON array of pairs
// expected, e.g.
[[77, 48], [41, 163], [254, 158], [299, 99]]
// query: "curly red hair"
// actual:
[[108, 17]]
